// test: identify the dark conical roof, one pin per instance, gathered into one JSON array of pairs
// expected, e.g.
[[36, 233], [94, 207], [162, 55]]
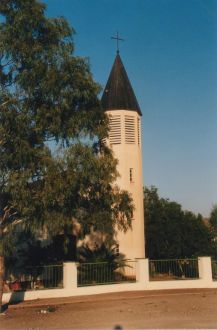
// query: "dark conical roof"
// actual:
[[118, 93]]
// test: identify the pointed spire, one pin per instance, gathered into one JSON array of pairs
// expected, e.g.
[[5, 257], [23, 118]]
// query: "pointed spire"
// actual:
[[118, 93]]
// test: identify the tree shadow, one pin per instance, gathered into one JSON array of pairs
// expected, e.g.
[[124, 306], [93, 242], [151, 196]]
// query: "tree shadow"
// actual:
[[16, 297], [4, 307]]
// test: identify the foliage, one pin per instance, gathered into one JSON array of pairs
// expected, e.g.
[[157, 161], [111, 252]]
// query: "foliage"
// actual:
[[80, 188], [30, 252], [213, 219], [173, 233], [213, 227], [100, 265], [101, 253], [45, 93], [48, 94]]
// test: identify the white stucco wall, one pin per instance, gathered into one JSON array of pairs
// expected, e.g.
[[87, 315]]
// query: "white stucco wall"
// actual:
[[142, 283], [129, 156]]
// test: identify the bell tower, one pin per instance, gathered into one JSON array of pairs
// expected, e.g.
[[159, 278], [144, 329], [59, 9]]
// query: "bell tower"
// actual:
[[120, 104]]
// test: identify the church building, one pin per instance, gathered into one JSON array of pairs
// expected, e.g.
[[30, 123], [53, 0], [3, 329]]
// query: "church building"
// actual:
[[120, 104]]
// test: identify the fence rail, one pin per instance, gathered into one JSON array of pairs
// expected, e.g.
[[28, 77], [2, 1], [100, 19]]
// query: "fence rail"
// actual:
[[35, 278], [214, 270], [173, 269], [106, 273]]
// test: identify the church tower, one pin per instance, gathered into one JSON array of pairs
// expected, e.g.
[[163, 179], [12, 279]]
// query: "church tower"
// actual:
[[120, 104]]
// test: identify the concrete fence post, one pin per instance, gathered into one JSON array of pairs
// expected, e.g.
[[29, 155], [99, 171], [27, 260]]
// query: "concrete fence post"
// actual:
[[205, 268], [69, 275], [142, 271]]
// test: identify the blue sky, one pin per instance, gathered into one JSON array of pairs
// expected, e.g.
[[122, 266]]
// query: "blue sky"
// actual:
[[170, 54]]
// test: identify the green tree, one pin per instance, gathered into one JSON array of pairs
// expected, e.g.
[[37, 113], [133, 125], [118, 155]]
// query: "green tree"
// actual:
[[196, 237], [213, 226], [213, 219], [48, 94], [171, 232], [162, 232]]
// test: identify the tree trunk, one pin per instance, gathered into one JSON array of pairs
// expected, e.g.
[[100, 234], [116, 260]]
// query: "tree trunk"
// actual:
[[2, 271]]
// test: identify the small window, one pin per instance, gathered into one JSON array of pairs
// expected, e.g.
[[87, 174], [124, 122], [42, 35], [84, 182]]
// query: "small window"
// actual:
[[116, 250], [131, 175]]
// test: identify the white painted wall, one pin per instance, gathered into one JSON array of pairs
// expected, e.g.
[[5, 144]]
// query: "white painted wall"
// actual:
[[132, 243], [70, 288]]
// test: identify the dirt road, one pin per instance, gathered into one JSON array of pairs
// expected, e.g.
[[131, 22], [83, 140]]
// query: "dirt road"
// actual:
[[130, 310]]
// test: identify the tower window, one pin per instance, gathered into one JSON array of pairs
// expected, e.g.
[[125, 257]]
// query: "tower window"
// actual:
[[131, 174]]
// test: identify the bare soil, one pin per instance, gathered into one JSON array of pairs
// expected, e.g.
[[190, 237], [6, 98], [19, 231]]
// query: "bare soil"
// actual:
[[188, 309]]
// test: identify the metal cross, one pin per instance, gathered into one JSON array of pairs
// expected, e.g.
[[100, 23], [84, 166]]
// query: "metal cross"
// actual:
[[118, 39]]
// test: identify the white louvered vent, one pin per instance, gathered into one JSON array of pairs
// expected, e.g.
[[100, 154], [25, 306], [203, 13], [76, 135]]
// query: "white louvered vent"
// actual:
[[139, 131], [115, 129], [129, 129]]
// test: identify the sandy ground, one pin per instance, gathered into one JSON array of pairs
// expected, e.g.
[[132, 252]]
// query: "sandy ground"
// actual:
[[193, 309]]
